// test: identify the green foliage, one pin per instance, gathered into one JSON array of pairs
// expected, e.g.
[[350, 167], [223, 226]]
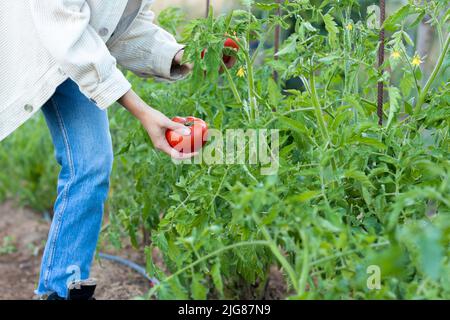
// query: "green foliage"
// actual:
[[28, 167], [8, 246], [348, 194]]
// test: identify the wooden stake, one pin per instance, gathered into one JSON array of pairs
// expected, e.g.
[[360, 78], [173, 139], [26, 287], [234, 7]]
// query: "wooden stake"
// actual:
[[380, 63], [277, 41], [208, 3]]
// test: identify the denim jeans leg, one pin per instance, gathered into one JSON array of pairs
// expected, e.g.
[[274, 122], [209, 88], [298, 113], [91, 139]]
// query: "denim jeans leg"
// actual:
[[83, 148]]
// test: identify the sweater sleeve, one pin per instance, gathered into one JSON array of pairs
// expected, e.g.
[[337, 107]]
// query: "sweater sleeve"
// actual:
[[146, 49], [63, 27]]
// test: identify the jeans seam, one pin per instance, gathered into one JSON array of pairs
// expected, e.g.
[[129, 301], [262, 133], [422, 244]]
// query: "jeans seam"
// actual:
[[65, 191]]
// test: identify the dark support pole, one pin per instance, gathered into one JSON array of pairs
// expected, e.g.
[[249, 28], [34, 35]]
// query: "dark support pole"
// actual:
[[277, 40], [207, 7], [381, 62]]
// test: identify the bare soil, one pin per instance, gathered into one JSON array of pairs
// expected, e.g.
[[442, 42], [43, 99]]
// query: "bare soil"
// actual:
[[276, 288], [22, 239]]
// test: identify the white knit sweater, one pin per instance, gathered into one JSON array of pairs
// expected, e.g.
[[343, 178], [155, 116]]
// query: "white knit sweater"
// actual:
[[44, 42]]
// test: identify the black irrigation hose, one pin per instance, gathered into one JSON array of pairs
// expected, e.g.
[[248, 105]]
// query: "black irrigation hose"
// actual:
[[130, 264]]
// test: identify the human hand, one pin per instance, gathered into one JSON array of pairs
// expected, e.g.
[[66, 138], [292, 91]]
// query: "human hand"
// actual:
[[184, 67], [156, 124]]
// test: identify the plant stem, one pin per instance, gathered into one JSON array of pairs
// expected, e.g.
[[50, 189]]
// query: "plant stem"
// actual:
[[439, 32], [412, 70], [254, 114], [311, 87], [275, 118], [370, 103], [437, 68], [346, 253], [248, 60], [211, 204], [305, 267], [277, 253], [251, 88], [232, 84]]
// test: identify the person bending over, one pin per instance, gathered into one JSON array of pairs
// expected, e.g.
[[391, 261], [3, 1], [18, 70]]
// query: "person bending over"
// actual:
[[61, 57]]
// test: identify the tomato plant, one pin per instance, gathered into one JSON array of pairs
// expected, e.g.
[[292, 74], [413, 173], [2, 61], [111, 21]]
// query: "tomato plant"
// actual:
[[229, 44], [349, 194]]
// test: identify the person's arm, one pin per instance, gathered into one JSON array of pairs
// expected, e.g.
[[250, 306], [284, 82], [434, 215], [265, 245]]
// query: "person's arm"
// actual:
[[83, 56], [148, 50], [63, 28], [155, 123]]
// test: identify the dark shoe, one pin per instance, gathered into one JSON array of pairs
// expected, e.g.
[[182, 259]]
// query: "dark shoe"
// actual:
[[82, 290], [54, 296]]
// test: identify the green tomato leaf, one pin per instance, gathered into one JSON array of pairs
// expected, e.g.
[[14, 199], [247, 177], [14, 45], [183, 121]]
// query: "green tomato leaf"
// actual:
[[306, 196], [394, 104], [275, 96], [431, 252], [358, 176], [371, 142], [198, 290], [267, 6], [331, 27], [294, 125], [396, 17], [290, 47], [217, 277]]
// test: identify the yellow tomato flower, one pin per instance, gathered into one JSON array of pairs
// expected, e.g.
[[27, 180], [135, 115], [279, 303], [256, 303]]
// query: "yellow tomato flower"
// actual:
[[416, 61], [241, 72], [349, 27], [395, 54]]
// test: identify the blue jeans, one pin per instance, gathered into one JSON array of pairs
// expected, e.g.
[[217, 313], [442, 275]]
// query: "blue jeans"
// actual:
[[80, 134]]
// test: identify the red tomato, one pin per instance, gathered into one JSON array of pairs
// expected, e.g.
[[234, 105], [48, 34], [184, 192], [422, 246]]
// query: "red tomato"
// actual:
[[229, 43], [190, 143]]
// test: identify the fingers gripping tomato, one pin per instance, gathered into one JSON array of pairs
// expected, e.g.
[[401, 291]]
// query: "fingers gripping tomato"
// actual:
[[189, 143]]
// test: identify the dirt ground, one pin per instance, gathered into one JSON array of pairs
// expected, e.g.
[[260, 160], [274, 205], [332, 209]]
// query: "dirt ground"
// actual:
[[22, 238]]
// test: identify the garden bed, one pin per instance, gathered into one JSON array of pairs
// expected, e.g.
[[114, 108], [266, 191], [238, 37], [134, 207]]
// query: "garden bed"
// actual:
[[23, 233]]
